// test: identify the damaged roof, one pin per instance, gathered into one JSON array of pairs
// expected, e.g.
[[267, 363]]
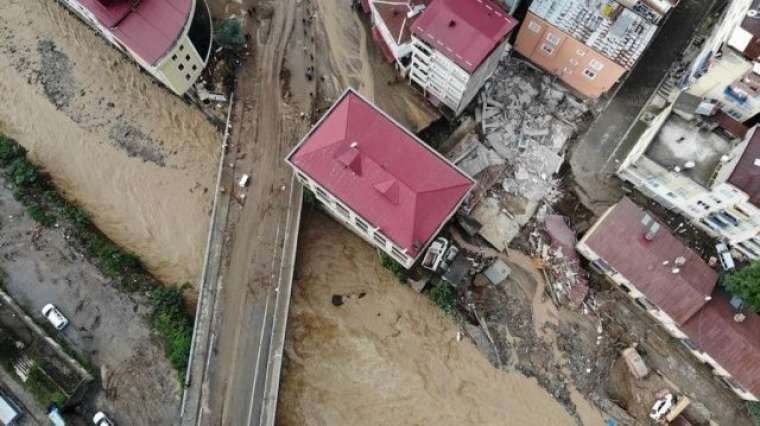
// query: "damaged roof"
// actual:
[[619, 238], [607, 27], [395, 15], [382, 172], [734, 345], [465, 31], [746, 174], [149, 28]]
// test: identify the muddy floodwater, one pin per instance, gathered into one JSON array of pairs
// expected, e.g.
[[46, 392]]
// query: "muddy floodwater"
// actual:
[[387, 356], [138, 158]]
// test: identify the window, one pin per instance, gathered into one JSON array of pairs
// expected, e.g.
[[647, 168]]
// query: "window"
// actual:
[[573, 61], [552, 38], [181, 47], [302, 178], [181, 67], [689, 344], [580, 52], [589, 74], [733, 384], [187, 77], [547, 48], [601, 265], [321, 194], [187, 57], [533, 26], [361, 225], [379, 239], [174, 57], [647, 305], [398, 254], [597, 65], [342, 210]]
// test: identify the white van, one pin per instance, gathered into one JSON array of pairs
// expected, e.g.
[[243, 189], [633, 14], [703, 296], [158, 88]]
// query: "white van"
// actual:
[[9, 413]]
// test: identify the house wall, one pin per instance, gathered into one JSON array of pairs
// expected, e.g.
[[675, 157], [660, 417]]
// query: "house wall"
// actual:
[[397, 50], [166, 70], [482, 74], [579, 66], [646, 137], [436, 74], [712, 210], [355, 222], [659, 315]]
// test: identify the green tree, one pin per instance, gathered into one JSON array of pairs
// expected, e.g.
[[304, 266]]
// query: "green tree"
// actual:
[[754, 411], [444, 296], [390, 264], [745, 283], [230, 34]]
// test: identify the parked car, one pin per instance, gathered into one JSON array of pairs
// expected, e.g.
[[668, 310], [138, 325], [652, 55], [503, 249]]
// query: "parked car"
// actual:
[[661, 407], [54, 316], [100, 419], [724, 255]]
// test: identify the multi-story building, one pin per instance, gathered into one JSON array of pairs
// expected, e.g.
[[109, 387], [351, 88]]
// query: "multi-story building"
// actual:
[[746, 37], [456, 46], [678, 289], [170, 39], [699, 163], [589, 45], [378, 179]]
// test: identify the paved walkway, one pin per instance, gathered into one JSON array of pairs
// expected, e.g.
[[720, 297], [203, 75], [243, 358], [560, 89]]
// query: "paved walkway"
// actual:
[[593, 159]]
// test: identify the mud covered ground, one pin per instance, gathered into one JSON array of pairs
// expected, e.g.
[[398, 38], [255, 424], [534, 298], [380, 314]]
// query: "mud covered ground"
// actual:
[[139, 159], [136, 384]]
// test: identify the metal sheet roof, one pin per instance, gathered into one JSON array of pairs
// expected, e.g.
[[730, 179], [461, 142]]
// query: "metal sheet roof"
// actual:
[[148, 29], [466, 31], [746, 174], [381, 171], [619, 239]]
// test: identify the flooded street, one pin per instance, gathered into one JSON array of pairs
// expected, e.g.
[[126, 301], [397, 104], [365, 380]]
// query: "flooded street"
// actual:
[[387, 356], [139, 159]]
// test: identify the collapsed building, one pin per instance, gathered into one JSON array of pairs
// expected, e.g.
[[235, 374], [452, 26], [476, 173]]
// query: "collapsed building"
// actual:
[[378, 179], [678, 289], [170, 39]]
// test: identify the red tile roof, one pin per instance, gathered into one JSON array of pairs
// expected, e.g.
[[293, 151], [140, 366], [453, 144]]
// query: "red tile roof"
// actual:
[[381, 171], [394, 15], [746, 174], [735, 346], [466, 31], [619, 239], [150, 29]]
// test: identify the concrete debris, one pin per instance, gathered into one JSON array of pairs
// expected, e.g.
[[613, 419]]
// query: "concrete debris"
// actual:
[[478, 159], [527, 120], [498, 229], [497, 272], [554, 242]]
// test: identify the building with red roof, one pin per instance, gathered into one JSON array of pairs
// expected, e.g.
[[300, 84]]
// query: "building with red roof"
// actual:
[[392, 22], [456, 47], [678, 289], [171, 39], [379, 179]]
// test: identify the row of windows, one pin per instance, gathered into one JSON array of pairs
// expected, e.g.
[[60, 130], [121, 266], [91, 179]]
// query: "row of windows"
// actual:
[[343, 211], [181, 65], [551, 44]]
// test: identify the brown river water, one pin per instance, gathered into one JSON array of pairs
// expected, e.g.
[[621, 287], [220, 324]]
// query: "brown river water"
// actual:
[[139, 159]]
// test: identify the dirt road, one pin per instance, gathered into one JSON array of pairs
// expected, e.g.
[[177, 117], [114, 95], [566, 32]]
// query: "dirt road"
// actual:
[[265, 129], [387, 356], [138, 158]]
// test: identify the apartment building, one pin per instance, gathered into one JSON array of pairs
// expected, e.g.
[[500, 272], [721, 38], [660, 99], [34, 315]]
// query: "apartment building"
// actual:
[[746, 36], [589, 45], [678, 289], [170, 39], [456, 46], [378, 179], [699, 162]]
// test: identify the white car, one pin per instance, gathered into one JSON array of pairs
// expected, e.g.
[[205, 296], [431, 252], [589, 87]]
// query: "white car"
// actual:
[[100, 419], [661, 407], [52, 314]]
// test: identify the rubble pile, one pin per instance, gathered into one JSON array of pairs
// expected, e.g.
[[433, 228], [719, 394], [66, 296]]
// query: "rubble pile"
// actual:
[[527, 120], [554, 242]]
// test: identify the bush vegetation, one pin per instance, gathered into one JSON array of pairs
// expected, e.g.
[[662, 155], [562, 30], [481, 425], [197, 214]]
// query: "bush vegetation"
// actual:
[[443, 295], [754, 411], [745, 283], [43, 388], [229, 34], [390, 264], [47, 206]]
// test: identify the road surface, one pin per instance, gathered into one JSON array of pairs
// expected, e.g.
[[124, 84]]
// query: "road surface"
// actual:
[[239, 377]]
